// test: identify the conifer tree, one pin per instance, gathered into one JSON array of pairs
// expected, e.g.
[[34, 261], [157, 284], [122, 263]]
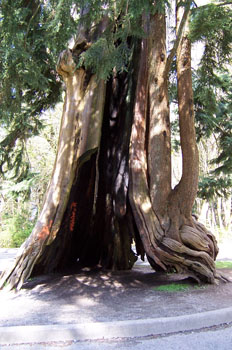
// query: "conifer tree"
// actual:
[[111, 183], [212, 93]]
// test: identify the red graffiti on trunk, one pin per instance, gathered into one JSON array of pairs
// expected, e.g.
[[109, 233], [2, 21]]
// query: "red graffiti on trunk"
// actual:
[[73, 209], [45, 231]]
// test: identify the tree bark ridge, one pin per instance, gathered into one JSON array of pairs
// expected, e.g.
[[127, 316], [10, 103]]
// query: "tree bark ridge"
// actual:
[[159, 143], [74, 140]]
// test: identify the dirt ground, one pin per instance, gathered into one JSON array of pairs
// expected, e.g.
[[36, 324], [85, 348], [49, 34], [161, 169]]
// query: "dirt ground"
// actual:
[[91, 296]]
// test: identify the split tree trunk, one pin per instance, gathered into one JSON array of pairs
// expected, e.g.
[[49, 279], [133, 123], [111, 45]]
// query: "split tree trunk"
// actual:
[[171, 236], [79, 139], [111, 183], [86, 219]]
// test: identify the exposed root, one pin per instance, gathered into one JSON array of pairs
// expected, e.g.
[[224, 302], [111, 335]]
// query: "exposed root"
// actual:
[[194, 255], [192, 238], [211, 238], [220, 276]]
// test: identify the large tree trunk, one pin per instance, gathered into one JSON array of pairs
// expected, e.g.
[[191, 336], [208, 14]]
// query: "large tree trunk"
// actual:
[[111, 183], [86, 217], [172, 238], [79, 139]]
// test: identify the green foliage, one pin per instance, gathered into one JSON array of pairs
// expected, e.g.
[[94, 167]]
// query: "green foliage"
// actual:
[[214, 116], [161, 5], [212, 25], [112, 51], [224, 264], [211, 186], [32, 35], [103, 57], [224, 128], [28, 80], [21, 200], [212, 97], [15, 230]]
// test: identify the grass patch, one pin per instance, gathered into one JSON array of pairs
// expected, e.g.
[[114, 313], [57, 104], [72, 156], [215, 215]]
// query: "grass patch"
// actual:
[[224, 264], [173, 287], [177, 287]]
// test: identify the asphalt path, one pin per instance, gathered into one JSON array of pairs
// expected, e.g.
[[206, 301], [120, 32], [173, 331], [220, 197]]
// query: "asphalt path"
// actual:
[[91, 311], [214, 338]]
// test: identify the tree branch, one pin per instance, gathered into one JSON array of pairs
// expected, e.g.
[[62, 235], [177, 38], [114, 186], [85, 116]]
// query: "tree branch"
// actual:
[[29, 23], [226, 3], [180, 30], [178, 38]]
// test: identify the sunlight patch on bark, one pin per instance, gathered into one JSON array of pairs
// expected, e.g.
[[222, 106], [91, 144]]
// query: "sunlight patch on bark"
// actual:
[[146, 206], [157, 128]]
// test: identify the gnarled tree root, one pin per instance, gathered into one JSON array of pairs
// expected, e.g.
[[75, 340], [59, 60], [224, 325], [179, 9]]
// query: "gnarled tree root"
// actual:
[[193, 256]]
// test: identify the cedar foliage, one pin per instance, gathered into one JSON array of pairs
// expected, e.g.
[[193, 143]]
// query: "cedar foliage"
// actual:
[[33, 33], [212, 92]]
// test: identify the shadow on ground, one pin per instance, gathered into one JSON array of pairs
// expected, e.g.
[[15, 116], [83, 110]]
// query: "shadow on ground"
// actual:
[[101, 296]]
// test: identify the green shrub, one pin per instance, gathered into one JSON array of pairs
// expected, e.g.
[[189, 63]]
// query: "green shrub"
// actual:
[[21, 229], [14, 230]]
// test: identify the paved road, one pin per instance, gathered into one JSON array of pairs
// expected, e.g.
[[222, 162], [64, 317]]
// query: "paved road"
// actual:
[[211, 339]]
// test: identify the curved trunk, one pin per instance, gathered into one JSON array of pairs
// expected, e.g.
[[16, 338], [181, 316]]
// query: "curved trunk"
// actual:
[[186, 236], [171, 237]]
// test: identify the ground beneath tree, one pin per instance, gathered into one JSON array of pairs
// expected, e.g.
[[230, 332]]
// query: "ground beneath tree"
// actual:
[[93, 296]]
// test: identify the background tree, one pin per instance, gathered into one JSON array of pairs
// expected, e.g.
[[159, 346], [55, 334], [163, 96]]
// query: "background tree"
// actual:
[[111, 181], [212, 93], [21, 199]]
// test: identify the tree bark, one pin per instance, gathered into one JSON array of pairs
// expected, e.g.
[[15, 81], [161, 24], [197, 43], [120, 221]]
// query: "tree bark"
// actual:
[[146, 220], [159, 139], [193, 239], [172, 238], [79, 135]]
